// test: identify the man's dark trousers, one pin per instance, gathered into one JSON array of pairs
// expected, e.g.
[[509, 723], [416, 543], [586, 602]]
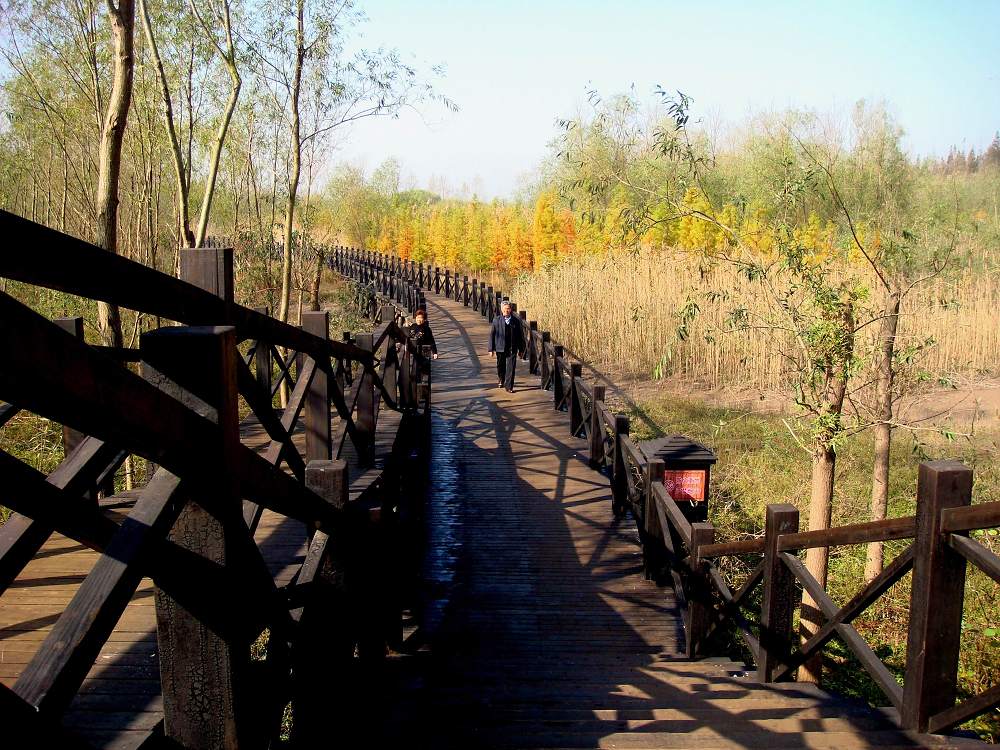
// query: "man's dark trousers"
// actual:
[[506, 364]]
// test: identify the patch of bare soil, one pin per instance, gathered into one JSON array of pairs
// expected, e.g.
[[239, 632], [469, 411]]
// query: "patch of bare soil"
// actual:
[[971, 404]]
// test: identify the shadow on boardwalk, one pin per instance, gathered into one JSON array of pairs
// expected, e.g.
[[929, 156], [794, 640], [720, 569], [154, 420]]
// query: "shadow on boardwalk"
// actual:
[[538, 628]]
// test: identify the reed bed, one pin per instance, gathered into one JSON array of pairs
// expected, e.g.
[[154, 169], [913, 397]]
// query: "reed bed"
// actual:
[[622, 311]]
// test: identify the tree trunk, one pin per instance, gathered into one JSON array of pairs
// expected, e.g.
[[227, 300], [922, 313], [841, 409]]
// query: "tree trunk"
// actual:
[[183, 214], [229, 56], [824, 464], [110, 159], [883, 429], [295, 148], [296, 153], [317, 278], [65, 194]]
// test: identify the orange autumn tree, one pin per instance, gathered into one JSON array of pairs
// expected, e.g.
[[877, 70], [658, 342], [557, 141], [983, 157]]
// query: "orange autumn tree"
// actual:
[[545, 230]]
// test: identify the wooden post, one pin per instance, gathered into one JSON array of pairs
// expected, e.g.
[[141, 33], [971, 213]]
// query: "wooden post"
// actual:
[[344, 375], [424, 384], [475, 295], [491, 312], [209, 268], [324, 643], [532, 350], [937, 596], [391, 376], [780, 595], [545, 360], [699, 592], [262, 361], [365, 420], [575, 407], [558, 387], [71, 438], [597, 429], [200, 668], [447, 283], [619, 479], [319, 445], [653, 549]]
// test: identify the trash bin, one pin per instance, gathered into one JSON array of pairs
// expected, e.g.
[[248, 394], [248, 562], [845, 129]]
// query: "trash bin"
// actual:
[[686, 472]]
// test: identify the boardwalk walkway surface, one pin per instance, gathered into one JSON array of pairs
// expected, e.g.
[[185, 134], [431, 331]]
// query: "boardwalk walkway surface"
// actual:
[[535, 627], [539, 627]]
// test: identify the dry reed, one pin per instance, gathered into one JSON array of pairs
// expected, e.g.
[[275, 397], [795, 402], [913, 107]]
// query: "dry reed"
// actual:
[[621, 311]]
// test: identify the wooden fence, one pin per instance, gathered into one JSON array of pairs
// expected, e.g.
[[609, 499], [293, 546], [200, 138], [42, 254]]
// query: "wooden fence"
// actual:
[[175, 402], [689, 553]]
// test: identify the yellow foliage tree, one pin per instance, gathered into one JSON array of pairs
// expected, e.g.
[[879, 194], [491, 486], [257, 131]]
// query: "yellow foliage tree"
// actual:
[[545, 231]]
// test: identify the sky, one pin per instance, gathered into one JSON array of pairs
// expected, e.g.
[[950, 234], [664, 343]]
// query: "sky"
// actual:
[[514, 67]]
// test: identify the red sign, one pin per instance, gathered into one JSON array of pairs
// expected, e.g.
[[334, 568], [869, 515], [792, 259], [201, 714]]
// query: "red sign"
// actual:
[[685, 484]]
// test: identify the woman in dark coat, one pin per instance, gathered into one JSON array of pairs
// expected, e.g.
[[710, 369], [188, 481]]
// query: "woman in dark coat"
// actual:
[[419, 332]]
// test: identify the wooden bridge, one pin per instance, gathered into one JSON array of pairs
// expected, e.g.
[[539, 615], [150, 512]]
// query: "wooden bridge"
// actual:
[[399, 561]]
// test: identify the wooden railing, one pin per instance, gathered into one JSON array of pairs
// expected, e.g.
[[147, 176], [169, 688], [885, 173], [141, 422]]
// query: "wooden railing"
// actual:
[[190, 527], [688, 555]]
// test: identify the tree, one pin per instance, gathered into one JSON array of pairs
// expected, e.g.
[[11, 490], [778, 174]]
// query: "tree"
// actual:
[[991, 158], [302, 50], [545, 230], [122, 17], [817, 307]]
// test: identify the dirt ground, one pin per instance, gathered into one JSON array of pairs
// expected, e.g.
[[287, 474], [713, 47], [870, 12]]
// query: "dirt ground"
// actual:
[[971, 405]]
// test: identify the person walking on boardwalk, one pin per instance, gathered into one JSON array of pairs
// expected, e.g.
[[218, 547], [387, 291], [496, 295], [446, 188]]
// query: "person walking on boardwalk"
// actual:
[[419, 332], [506, 344]]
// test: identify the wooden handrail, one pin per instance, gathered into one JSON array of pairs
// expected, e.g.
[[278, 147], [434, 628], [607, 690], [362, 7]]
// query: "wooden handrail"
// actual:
[[76, 267], [971, 517], [754, 545], [855, 533]]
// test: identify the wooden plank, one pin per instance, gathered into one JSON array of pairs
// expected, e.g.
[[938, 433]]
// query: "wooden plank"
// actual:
[[107, 401], [55, 674], [77, 267], [846, 614], [668, 508], [20, 536], [851, 638], [202, 362], [857, 533], [967, 709], [726, 549], [317, 406], [977, 554], [971, 517]]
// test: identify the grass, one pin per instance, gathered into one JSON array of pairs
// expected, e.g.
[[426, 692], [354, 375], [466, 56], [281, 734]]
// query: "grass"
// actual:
[[760, 463], [35, 440]]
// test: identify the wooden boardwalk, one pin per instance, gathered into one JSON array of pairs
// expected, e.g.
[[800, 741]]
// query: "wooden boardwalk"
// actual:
[[538, 628], [120, 702], [532, 624]]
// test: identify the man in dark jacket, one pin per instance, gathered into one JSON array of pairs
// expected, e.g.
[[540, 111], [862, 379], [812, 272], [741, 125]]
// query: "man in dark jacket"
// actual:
[[506, 344]]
